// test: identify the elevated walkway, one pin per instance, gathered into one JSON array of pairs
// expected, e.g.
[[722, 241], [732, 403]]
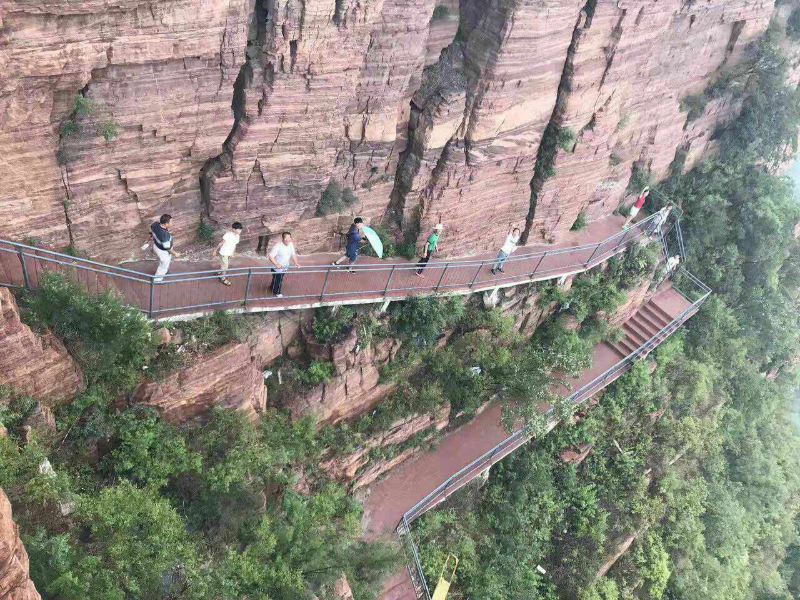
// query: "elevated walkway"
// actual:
[[192, 289]]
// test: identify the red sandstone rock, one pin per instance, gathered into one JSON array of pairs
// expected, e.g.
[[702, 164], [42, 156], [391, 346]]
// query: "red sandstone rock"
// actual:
[[163, 72], [33, 364], [350, 468], [227, 377], [342, 590], [339, 90], [15, 582]]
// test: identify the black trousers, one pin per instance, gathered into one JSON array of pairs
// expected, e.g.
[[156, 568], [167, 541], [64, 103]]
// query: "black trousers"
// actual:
[[423, 262], [277, 281]]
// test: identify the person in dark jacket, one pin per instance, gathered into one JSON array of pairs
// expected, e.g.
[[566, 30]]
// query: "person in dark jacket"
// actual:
[[163, 245], [355, 238]]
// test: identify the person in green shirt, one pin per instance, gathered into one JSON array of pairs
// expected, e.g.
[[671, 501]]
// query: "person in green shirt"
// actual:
[[430, 248]]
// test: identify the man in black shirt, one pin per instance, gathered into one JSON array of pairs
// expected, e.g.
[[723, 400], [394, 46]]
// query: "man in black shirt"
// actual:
[[162, 245]]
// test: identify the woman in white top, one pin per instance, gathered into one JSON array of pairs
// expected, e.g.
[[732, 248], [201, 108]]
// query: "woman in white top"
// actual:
[[227, 248], [512, 239], [281, 255]]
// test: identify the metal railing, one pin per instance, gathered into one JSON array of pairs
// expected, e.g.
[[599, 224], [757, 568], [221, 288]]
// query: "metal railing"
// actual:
[[180, 294], [684, 282]]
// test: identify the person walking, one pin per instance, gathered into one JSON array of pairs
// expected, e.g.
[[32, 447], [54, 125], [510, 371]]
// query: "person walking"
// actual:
[[281, 256], [226, 249], [430, 248], [637, 206], [353, 247], [163, 245], [512, 240]]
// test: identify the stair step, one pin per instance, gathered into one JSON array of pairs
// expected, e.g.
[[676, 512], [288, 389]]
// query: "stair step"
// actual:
[[655, 320], [642, 327], [626, 346], [660, 311], [634, 331]]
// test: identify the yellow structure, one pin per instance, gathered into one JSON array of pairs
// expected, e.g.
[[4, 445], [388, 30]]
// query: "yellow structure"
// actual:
[[440, 593]]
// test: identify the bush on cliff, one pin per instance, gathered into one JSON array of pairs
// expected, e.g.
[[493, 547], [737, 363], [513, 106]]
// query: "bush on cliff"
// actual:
[[111, 342]]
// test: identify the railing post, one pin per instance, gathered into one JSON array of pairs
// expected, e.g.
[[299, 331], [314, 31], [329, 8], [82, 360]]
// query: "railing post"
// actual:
[[588, 262], [478, 272], [247, 286], [539, 264], [436, 289], [152, 291], [325, 285], [624, 237], [25, 278], [388, 281]]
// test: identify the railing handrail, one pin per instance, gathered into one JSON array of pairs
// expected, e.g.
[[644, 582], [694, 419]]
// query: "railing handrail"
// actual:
[[153, 294], [77, 261]]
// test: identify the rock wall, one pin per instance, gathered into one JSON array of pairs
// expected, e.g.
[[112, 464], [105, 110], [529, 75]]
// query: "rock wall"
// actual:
[[229, 377], [34, 364], [15, 583], [428, 109]]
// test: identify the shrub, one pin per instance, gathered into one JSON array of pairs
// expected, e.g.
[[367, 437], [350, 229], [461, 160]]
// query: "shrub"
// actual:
[[111, 342], [84, 106], [580, 222], [566, 139], [217, 330], [423, 320], [329, 324], [69, 128], [694, 105], [629, 269], [334, 199], [640, 179], [205, 233], [108, 129], [317, 372]]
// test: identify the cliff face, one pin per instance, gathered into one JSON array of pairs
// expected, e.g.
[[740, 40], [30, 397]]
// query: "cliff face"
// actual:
[[15, 584], [32, 364], [428, 109]]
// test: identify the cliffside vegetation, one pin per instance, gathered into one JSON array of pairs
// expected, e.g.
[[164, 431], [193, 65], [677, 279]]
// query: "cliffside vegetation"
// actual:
[[116, 503], [691, 486]]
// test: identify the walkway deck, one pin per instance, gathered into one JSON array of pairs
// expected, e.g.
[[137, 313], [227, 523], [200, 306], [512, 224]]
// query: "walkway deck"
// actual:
[[193, 289], [390, 498]]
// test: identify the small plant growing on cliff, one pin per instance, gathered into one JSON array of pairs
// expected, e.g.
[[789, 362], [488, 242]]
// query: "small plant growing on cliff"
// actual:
[[317, 372], [108, 129], [84, 106], [335, 199], [329, 324], [580, 222], [205, 233], [694, 106], [566, 139]]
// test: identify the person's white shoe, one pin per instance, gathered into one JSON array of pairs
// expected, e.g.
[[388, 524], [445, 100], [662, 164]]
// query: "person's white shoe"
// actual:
[[279, 295]]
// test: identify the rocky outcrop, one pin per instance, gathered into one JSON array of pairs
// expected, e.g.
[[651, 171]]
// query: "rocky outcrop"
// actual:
[[15, 582], [34, 364], [364, 466], [229, 377]]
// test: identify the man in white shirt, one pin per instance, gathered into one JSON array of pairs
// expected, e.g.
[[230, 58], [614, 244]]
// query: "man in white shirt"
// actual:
[[512, 239], [281, 255], [227, 248]]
